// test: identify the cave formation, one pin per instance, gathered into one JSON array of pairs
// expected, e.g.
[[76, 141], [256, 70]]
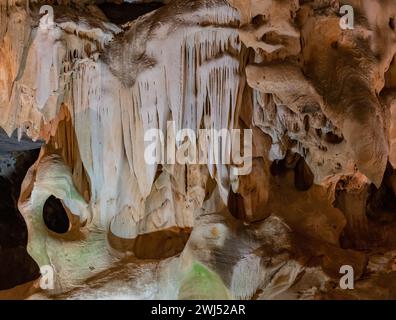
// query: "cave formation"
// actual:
[[83, 82]]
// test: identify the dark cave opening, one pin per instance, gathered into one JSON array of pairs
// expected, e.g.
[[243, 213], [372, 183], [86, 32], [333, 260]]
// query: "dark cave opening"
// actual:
[[17, 267], [303, 176], [16, 157], [381, 202], [126, 12], [55, 216]]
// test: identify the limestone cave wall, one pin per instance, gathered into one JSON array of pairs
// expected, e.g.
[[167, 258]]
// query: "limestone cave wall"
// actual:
[[308, 188]]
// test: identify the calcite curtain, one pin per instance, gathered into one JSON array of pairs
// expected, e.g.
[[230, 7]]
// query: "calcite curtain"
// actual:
[[309, 87]]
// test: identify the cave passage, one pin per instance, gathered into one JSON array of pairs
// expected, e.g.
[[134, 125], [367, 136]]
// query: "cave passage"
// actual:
[[126, 12]]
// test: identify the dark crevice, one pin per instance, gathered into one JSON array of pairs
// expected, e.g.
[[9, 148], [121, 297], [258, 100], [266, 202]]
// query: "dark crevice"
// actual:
[[303, 176], [55, 216], [381, 204], [332, 138], [17, 267], [259, 20], [278, 168], [392, 23], [236, 205], [126, 12]]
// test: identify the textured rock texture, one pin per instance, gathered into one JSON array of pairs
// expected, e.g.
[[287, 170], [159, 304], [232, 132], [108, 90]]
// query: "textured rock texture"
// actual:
[[319, 103]]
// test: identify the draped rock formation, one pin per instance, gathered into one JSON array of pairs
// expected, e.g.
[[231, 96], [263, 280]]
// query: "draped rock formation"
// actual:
[[314, 105]]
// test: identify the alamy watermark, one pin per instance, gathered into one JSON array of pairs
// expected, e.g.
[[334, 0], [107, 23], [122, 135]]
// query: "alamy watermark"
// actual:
[[347, 21], [210, 146], [47, 277], [347, 281]]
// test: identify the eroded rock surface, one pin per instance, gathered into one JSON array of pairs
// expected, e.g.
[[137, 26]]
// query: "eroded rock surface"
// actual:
[[317, 101]]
